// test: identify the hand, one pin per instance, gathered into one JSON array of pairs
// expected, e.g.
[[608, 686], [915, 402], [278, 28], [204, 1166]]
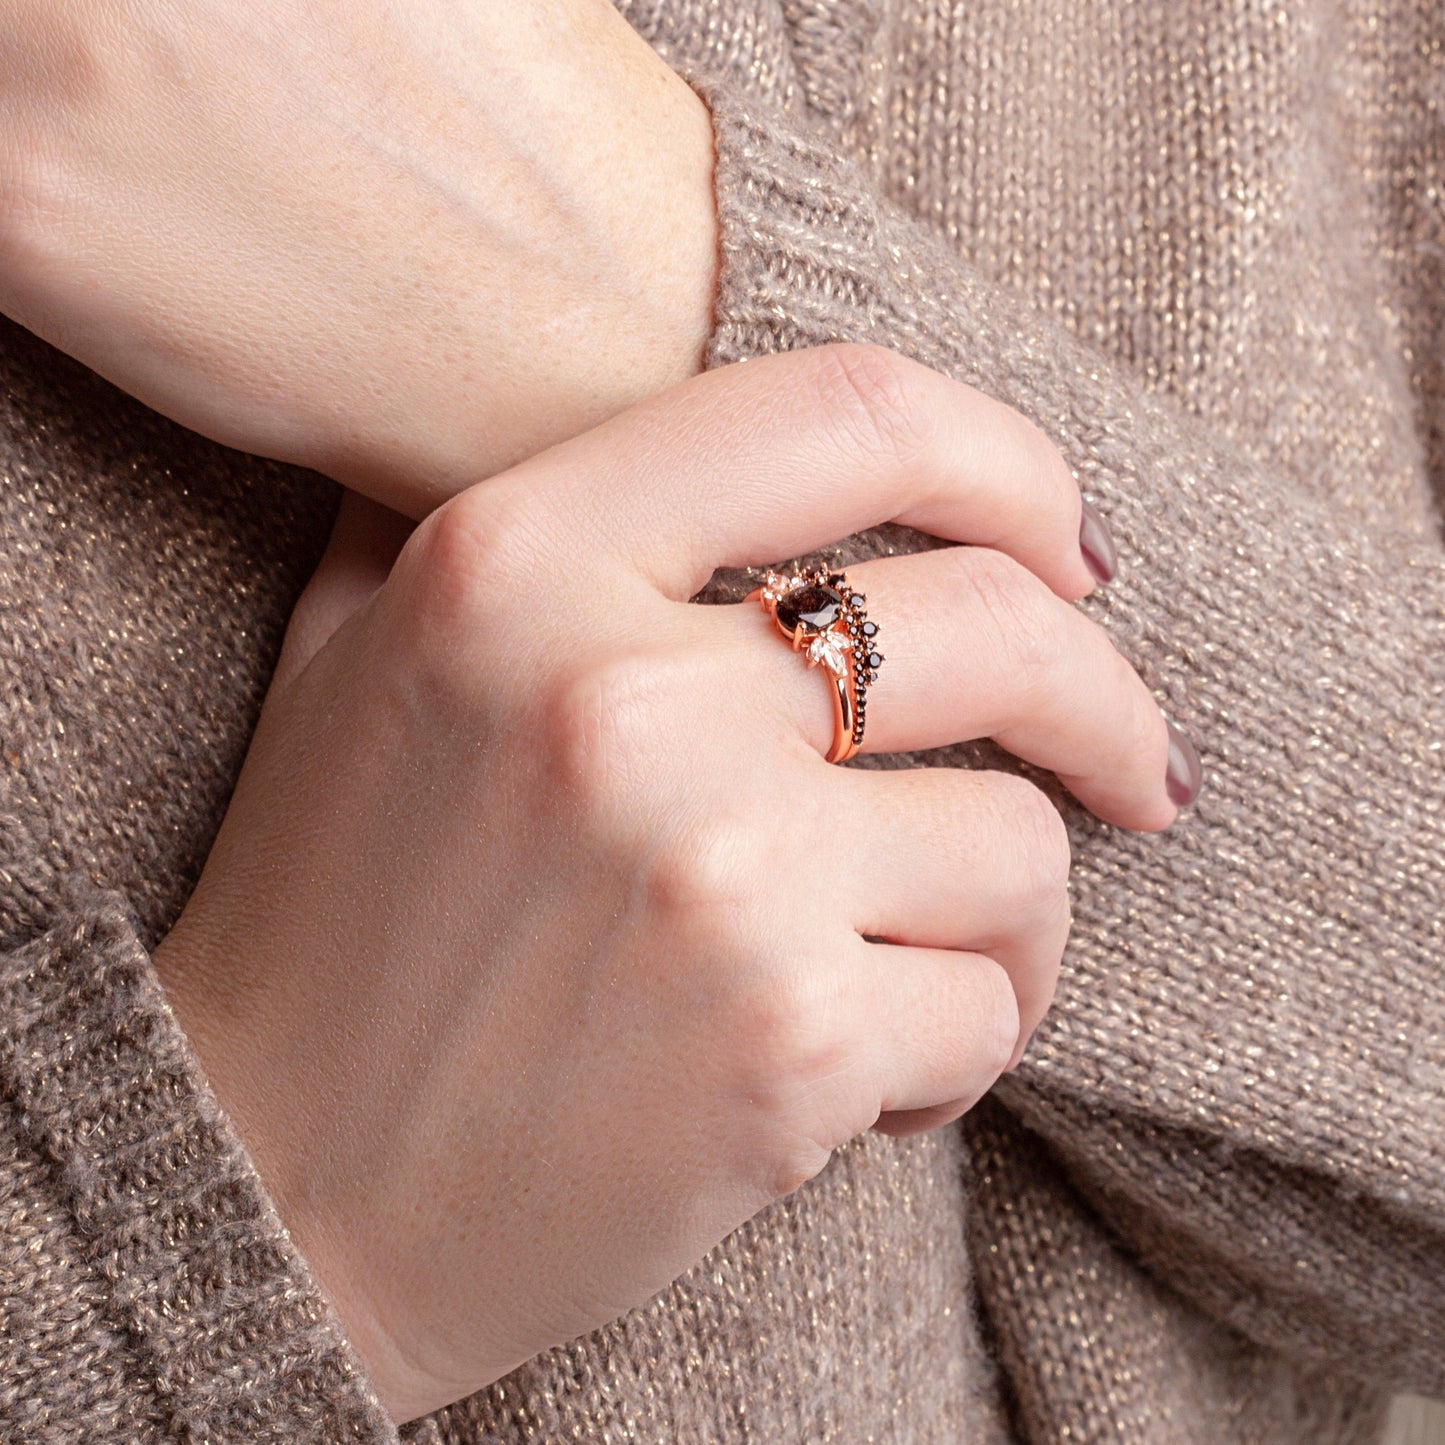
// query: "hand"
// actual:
[[538, 949], [404, 244]]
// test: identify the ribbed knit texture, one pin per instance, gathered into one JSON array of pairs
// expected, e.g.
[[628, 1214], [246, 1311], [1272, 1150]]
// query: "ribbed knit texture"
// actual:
[[143, 1264], [1204, 247]]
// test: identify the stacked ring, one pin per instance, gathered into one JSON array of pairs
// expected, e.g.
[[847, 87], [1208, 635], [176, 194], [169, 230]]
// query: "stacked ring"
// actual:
[[819, 613]]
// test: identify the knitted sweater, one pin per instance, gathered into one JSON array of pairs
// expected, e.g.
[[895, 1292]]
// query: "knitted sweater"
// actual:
[[1203, 245]]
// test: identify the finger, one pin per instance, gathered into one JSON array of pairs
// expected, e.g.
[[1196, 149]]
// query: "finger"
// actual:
[[956, 859], [784, 454], [975, 646], [940, 1026], [365, 540]]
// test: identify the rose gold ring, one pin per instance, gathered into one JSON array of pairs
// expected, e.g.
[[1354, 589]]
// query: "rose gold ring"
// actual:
[[819, 613]]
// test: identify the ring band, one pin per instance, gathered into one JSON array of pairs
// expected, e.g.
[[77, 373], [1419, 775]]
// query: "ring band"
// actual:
[[820, 613]]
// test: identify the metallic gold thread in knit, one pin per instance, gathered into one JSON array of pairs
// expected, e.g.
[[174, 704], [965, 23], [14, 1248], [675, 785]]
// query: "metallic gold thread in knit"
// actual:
[[1231, 219]]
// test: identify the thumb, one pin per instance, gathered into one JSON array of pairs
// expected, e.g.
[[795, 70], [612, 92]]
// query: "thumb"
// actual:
[[365, 540]]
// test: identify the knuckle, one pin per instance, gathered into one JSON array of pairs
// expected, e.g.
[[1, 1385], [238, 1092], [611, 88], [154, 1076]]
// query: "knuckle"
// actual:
[[705, 876], [873, 401], [1021, 622], [996, 1003], [461, 563], [795, 1166], [785, 1026], [71, 75], [796, 1072], [1045, 961], [1037, 834], [1061, 923], [600, 733]]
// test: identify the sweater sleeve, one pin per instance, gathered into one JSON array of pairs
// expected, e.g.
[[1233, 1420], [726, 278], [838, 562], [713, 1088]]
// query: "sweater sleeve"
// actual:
[[1244, 1070], [148, 1290]]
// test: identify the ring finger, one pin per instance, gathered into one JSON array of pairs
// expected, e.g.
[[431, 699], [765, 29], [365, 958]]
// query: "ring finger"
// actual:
[[976, 646]]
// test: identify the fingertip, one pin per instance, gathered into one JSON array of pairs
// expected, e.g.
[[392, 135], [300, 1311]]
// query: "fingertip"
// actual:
[[1020, 1051], [1080, 584], [1103, 797], [1183, 782], [1159, 820]]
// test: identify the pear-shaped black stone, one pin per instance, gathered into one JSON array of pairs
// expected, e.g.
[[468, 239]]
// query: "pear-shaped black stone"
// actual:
[[815, 608]]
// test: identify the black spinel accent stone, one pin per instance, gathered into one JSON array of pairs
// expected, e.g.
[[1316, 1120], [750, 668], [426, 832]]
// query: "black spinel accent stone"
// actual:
[[870, 629], [816, 608], [857, 599], [875, 659]]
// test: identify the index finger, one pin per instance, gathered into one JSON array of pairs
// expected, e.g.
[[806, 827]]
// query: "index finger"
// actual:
[[778, 456]]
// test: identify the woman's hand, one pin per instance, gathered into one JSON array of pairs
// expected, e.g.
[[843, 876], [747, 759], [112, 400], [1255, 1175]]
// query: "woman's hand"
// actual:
[[407, 244], [540, 948]]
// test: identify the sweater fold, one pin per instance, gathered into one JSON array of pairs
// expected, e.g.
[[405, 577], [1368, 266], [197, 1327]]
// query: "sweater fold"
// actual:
[[1205, 252], [1256, 1062], [139, 1220]]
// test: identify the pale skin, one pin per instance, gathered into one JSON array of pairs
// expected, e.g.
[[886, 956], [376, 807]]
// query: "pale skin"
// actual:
[[508, 899], [405, 244]]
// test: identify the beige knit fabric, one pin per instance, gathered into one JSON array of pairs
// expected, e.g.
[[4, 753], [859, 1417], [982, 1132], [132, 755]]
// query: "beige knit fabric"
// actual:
[[1203, 244]]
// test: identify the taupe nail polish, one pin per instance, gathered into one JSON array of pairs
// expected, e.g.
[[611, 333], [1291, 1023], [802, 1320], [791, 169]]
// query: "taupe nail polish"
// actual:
[[1185, 773], [1100, 555]]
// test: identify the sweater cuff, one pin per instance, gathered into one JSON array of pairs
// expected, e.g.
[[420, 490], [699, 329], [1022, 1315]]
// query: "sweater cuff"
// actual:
[[798, 235], [190, 1262]]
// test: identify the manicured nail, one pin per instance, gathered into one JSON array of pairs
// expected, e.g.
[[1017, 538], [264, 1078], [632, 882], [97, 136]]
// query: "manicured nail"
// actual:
[[1100, 555], [1185, 772]]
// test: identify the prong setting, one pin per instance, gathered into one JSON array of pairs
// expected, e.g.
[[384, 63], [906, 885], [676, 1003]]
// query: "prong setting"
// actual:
[[824, 617]]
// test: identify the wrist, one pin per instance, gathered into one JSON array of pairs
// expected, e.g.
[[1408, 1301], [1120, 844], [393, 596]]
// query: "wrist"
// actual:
[[196, 979], [455, 239], [282, 1095], [605, 273]]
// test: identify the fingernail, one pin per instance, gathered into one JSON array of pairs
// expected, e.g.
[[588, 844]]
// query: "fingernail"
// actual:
[[1100, 555], [1185, 772]]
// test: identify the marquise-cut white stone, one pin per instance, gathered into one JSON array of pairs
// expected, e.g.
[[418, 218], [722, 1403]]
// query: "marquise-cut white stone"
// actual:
[[829, 649]]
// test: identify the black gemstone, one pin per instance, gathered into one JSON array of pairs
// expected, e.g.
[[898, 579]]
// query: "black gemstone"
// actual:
[[875, 659], [870, 629], [857, 599], [815, 608]]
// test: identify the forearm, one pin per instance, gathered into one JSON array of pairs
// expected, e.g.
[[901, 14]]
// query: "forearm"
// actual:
[[404, 248]]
